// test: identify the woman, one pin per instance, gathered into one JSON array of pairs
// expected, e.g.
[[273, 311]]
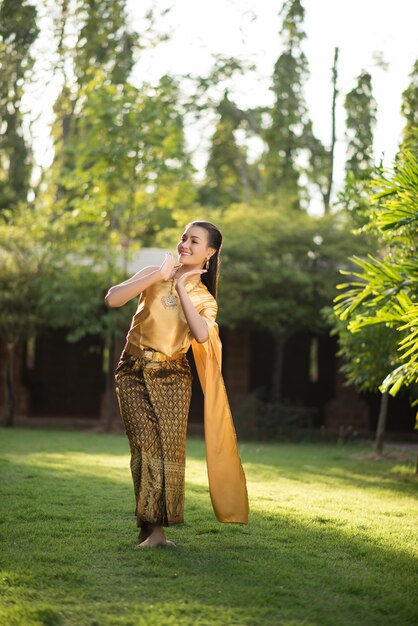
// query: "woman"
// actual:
[[177, 308]]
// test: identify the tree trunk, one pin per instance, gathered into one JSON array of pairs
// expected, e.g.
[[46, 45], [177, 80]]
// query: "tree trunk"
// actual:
[[327, 196], [9, 385], [381, 423], [277, 376]]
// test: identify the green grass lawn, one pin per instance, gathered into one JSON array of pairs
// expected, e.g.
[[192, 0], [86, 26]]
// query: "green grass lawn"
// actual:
[[332, 539]]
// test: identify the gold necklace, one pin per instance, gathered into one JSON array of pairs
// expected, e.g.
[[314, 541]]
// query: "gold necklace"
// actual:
[[170, 301]]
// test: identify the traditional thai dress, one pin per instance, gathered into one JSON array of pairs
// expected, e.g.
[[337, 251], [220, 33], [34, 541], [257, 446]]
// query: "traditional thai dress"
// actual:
[[153, 386]]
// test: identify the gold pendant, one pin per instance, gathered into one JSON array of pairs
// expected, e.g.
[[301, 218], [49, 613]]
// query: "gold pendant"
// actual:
[[170, 301]]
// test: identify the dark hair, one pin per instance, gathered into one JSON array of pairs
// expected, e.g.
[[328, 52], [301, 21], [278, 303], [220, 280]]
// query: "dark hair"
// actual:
[[210, 278]]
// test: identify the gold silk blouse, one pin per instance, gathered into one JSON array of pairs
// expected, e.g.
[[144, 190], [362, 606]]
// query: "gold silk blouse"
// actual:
[[167, 331]]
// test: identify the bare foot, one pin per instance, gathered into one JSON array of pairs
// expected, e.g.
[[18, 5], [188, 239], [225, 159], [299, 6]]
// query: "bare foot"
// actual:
[[148, 543], [155, 538]]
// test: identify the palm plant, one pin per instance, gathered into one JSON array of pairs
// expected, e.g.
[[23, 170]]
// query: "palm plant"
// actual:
[[384, 290]]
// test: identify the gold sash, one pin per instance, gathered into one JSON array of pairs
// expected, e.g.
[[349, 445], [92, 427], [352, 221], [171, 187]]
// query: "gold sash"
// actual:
[[227, 484]]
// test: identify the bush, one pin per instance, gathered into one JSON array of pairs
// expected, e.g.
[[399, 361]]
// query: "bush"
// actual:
[[261, 419]]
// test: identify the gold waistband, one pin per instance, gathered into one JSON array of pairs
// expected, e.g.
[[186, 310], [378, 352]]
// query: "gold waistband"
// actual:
[[151, 355]]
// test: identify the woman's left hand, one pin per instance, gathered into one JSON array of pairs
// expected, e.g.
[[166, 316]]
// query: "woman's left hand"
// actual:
[[181, 282]]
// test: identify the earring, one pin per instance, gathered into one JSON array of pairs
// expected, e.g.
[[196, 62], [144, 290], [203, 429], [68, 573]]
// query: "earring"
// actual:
[[207, 264]]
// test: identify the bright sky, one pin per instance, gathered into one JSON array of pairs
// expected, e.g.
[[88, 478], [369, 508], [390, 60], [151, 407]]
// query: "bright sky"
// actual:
[[248, 29]]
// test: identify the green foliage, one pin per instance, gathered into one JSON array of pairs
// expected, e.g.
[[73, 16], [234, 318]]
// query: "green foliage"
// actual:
[[293, 15], [122, 178], [397, 203], [409, 110], [18, 31], [386, 291], [22, 261], [360, 107], [284, 132], [47, 283], [127, 169], [120, 168], [319, 168], [355, 199], [105, 40], [104, 46], [369, 356], [279, 269], [261, 419], [228, 175]]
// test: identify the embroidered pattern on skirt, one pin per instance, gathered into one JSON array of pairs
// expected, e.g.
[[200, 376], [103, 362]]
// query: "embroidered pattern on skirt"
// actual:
[[154, 400]]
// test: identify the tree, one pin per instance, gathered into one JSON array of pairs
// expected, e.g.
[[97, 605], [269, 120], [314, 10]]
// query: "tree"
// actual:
[[278, 269], [369, 356], [105, 41], [20, 264], [119, 147], [283, 135], [129, 171], [360, 107], [385, 289], [120, 162], [409, 110], [227, 177], [18, 31], [130, 168], [48, 283], [320, 169]]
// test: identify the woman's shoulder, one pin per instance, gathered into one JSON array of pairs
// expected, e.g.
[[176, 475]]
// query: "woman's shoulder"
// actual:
[[205, 296]]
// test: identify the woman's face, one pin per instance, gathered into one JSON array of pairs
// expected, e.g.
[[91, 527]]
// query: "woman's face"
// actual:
[[193, 246]]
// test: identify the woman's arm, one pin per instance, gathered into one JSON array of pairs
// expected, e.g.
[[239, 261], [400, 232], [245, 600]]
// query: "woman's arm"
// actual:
[[122, 293], [198, 326]]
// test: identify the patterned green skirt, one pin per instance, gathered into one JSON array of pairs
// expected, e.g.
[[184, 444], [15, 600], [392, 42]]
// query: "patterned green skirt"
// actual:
[[154, 400]]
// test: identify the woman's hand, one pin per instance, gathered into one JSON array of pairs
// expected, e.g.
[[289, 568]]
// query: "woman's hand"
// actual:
[[181, 282], [167, 266]]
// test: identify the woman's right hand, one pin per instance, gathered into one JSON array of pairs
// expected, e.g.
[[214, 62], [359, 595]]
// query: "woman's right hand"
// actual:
[[167, 266]]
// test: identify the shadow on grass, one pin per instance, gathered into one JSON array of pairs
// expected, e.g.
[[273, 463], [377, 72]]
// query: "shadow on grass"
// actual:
[[68, 558], [332, 462]]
